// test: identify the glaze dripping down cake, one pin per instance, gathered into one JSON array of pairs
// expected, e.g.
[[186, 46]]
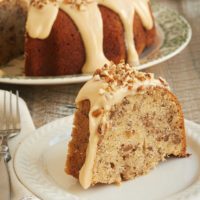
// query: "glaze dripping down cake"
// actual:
[[74, 36], [125, 124]]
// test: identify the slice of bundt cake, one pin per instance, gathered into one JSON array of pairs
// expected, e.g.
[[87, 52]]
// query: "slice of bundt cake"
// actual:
[[74, 36], [126, 123]]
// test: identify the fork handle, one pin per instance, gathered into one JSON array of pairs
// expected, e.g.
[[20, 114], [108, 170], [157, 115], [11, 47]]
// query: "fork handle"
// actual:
[[4, 149], [5, 178]]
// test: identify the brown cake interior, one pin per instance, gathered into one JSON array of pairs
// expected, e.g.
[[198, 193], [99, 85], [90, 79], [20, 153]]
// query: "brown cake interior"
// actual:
[[12, 28], [80, 135]]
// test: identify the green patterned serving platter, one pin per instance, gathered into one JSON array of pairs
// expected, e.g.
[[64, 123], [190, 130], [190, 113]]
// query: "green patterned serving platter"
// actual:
[[173, 35]]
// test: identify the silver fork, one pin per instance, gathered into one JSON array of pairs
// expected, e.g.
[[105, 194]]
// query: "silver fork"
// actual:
[[9, 127]]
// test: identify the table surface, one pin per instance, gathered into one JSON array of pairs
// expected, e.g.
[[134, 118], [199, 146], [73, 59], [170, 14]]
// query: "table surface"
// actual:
[[47, 103]]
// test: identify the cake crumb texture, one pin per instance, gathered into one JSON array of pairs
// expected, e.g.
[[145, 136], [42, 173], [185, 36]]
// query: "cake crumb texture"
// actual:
[[12, 28], [140, 131]]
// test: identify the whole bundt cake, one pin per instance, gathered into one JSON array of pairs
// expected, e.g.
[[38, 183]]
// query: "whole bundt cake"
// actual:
[[125, 124], [76, 36]]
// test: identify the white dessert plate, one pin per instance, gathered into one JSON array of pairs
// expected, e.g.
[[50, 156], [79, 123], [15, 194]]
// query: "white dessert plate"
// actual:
[[40, 160], [173, 35]]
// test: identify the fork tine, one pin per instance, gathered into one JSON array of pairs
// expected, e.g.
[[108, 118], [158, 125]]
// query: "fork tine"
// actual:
[[5, 112], [10, 120], [2, 116], [17, 111], [11, 111]]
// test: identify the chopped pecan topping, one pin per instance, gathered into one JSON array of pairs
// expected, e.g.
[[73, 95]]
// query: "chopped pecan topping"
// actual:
[[39, 4], [139, 89], [97, 112], [163, 81], [122, 76], [78, 4]]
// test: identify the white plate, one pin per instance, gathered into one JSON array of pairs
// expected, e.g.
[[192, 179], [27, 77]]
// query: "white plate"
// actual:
[[174, 33], [40, 162]]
